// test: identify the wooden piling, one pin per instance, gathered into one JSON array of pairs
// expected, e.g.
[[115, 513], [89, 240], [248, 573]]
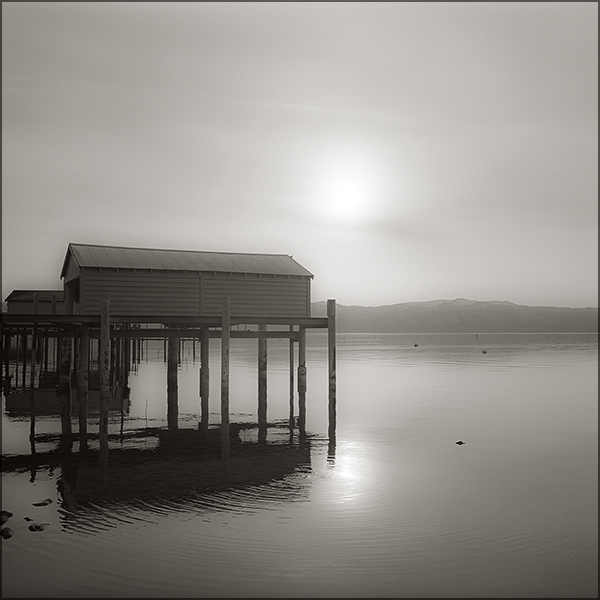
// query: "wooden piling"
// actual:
[[262, 386], [331, 367], [292, 391], [172, 389], [24, 350], [104, 360], [6, 356], [126, 367], [43, 348], [82, 385], [17, 351], [32, 393], [65, 386], [225, 337], [204, 379], [302, 379]]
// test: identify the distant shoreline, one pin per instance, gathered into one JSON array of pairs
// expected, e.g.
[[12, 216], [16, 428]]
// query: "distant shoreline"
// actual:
[[461, 316]]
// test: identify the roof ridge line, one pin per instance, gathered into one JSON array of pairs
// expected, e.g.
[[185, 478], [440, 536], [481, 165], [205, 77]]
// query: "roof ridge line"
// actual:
[[177, 250]]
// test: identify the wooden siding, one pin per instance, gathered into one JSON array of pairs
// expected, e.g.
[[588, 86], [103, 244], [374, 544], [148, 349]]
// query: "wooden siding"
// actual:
[[164, 293], [71, 270], [26, 308], [255, 295]]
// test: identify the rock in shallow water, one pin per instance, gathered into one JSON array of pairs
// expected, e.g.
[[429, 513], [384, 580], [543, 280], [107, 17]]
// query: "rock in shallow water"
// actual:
[[7, 532], [43, 502]]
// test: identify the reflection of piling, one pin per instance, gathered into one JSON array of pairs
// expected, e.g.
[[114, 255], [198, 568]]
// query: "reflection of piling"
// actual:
[[104, 360], [262, 386], [172, 389], [225, 336], [332, 367], [331, 452]]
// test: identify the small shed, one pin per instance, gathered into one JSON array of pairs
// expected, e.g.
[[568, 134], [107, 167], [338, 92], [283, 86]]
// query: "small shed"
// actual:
[[188, 283], [29, 302]]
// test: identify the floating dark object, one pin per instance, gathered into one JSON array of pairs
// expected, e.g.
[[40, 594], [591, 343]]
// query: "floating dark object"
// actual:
[[38, 526], [7, 532], [6, 515], [484, 352], [460, 442], [43, 502], [416, 345]]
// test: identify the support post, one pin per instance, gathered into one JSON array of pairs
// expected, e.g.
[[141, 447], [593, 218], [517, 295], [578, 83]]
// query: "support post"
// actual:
[[126, 367], [172, 391], [17, 354], [225, 336], [6, 356], [82, 385], [332, 368], [65, 388], [204, 379], [302, 380], [291, 416], [32, 393], [262, 386], [24, 342], [104, 376]]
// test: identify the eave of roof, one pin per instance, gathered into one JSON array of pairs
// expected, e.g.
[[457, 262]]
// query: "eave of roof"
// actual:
[[28, 295]]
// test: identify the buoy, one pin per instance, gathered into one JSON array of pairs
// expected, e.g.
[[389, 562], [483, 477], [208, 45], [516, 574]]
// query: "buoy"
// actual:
[[460, 442], [484, 352], [416, 345]]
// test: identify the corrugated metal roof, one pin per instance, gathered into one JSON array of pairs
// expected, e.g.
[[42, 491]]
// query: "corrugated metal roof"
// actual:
[[27, 295], [118, 257]]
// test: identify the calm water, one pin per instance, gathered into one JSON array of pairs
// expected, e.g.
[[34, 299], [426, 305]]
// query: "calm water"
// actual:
[[399, 511]]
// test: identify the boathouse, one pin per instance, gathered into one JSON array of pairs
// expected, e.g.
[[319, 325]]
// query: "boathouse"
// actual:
[[183, 283], [121, 295], [28, 302]]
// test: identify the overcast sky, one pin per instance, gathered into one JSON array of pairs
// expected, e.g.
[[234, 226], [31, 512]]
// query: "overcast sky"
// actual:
[[400, 151]]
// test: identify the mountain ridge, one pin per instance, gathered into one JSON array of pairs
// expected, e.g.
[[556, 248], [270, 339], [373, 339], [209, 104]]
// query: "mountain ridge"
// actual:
[[460, 315]]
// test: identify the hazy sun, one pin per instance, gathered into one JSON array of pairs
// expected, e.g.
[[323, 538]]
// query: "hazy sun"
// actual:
[[347, 193], [346, 196], [347, 182]]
